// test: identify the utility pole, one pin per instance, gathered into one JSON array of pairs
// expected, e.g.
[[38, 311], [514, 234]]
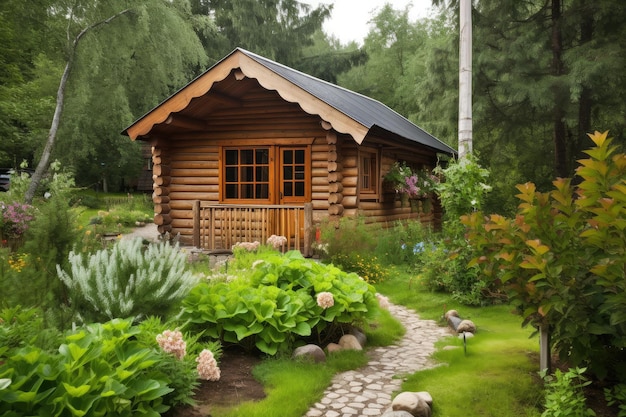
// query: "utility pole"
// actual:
[[465, 78]]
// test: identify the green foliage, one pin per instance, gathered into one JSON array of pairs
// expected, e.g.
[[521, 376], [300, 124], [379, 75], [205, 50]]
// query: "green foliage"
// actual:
[[21, 327], [98, 370], [463, 188], [365, 265], [127, 280], [349, 235], [561, 260], [274, 306], [616, 395], [441, 270], [564, 394]]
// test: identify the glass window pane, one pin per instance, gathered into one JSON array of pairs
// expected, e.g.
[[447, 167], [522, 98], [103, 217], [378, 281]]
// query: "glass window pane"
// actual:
[[288, 157], [231, 174], [232, 157], [247, 191], [247, 174], [300, 156], [262, 173], [300, 189], [288, 189], [262, 156], [247, 156], [262, 191], [299, 173], [287, 173], [231, 191]]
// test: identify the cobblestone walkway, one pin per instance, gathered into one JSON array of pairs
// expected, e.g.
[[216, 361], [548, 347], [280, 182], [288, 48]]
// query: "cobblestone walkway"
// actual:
[[368, 391]]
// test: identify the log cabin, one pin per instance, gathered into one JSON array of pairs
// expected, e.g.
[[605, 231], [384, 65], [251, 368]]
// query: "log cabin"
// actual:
[[252, 148]]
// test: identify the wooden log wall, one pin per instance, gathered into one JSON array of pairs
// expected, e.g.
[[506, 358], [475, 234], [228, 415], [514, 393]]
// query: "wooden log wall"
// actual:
[[188, 170]]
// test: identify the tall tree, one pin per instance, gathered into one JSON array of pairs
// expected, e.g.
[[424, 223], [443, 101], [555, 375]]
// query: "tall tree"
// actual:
[[120, 63], [277, 29]]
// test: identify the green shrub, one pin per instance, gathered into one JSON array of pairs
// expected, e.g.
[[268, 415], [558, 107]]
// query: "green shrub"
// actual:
[[616, 396], [350, 235], [365, 265], [562, 259], [127, 280], [564, 394], [276, 304], [98, 370]]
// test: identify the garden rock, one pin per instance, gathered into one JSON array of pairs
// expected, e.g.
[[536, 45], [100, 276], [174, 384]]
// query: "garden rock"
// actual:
[[310, 352], [426, 397], [467, 326], [400, 413], [333, 347], [350, 342], [412, 403], [360, 336], [451, 313]]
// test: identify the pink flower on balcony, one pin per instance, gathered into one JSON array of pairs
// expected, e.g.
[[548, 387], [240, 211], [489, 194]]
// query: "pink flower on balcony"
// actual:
[[325, 300], [172, 342], [207, 366]]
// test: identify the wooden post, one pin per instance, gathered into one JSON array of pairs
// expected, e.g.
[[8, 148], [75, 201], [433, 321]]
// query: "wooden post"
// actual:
[[196, 223], [544, 349], [308, 226]]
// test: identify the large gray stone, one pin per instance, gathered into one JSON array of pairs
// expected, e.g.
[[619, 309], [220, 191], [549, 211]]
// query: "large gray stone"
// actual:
[[310, 352]]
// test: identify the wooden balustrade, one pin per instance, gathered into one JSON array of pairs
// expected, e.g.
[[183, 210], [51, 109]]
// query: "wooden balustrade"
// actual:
[[220, 226]]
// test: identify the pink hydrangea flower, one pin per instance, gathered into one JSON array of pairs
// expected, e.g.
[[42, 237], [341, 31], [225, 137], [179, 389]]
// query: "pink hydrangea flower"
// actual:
[[207, 366], [325, 300], [276, 241], [172, 342], [249, 246]]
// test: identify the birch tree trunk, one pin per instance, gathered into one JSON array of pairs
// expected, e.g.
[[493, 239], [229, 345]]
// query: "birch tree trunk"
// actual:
[[44, 161]]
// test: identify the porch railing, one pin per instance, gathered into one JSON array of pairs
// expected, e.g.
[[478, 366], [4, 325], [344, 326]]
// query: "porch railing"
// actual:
[[220, 226]]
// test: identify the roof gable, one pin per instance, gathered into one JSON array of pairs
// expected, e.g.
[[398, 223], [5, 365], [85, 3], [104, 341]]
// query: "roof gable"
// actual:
[[346, 111]]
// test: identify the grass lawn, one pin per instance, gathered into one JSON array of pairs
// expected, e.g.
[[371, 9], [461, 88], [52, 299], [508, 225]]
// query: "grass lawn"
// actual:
[[497, 375]]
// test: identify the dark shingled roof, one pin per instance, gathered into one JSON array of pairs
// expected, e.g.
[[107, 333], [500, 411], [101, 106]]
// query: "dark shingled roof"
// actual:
[[367, 111]]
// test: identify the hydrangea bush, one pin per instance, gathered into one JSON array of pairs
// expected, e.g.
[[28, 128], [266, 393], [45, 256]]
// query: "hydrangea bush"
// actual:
[[281, 301]]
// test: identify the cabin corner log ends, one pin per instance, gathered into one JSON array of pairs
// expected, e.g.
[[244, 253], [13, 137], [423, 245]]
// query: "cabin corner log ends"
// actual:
[[220, 226]]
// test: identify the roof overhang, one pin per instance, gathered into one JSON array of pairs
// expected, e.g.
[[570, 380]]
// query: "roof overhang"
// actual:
[[267, 78]]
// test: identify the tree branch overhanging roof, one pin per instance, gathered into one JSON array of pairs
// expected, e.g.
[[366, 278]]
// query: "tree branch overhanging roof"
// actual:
[[346, 111]]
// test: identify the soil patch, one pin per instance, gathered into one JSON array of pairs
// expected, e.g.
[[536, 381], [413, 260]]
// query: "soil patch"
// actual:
[[236, 385]]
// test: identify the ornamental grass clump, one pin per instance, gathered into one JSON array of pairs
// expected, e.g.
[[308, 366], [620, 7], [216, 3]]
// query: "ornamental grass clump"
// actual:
[[127, 280]]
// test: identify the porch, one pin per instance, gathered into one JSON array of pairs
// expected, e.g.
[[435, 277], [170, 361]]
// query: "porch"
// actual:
[[217, 227]]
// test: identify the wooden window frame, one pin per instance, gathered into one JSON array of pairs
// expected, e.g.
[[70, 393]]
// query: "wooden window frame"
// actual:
[[369, 178], [275, 181]]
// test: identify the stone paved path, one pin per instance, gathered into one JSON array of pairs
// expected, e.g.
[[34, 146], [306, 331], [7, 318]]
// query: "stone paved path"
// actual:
[[368, 391]]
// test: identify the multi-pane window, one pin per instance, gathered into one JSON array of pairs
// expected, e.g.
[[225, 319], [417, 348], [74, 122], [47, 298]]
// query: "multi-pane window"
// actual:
[[247, 173], [268, 174], [293, 172]]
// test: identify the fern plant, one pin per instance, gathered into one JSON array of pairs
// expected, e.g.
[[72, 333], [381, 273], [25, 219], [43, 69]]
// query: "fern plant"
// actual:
[[127, 280]]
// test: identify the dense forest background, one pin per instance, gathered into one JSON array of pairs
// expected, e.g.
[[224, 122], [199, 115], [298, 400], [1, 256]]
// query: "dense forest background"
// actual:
[[545, 73]]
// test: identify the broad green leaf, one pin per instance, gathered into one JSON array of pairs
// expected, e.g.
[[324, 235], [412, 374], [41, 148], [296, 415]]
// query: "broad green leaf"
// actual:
[[78, 391]]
